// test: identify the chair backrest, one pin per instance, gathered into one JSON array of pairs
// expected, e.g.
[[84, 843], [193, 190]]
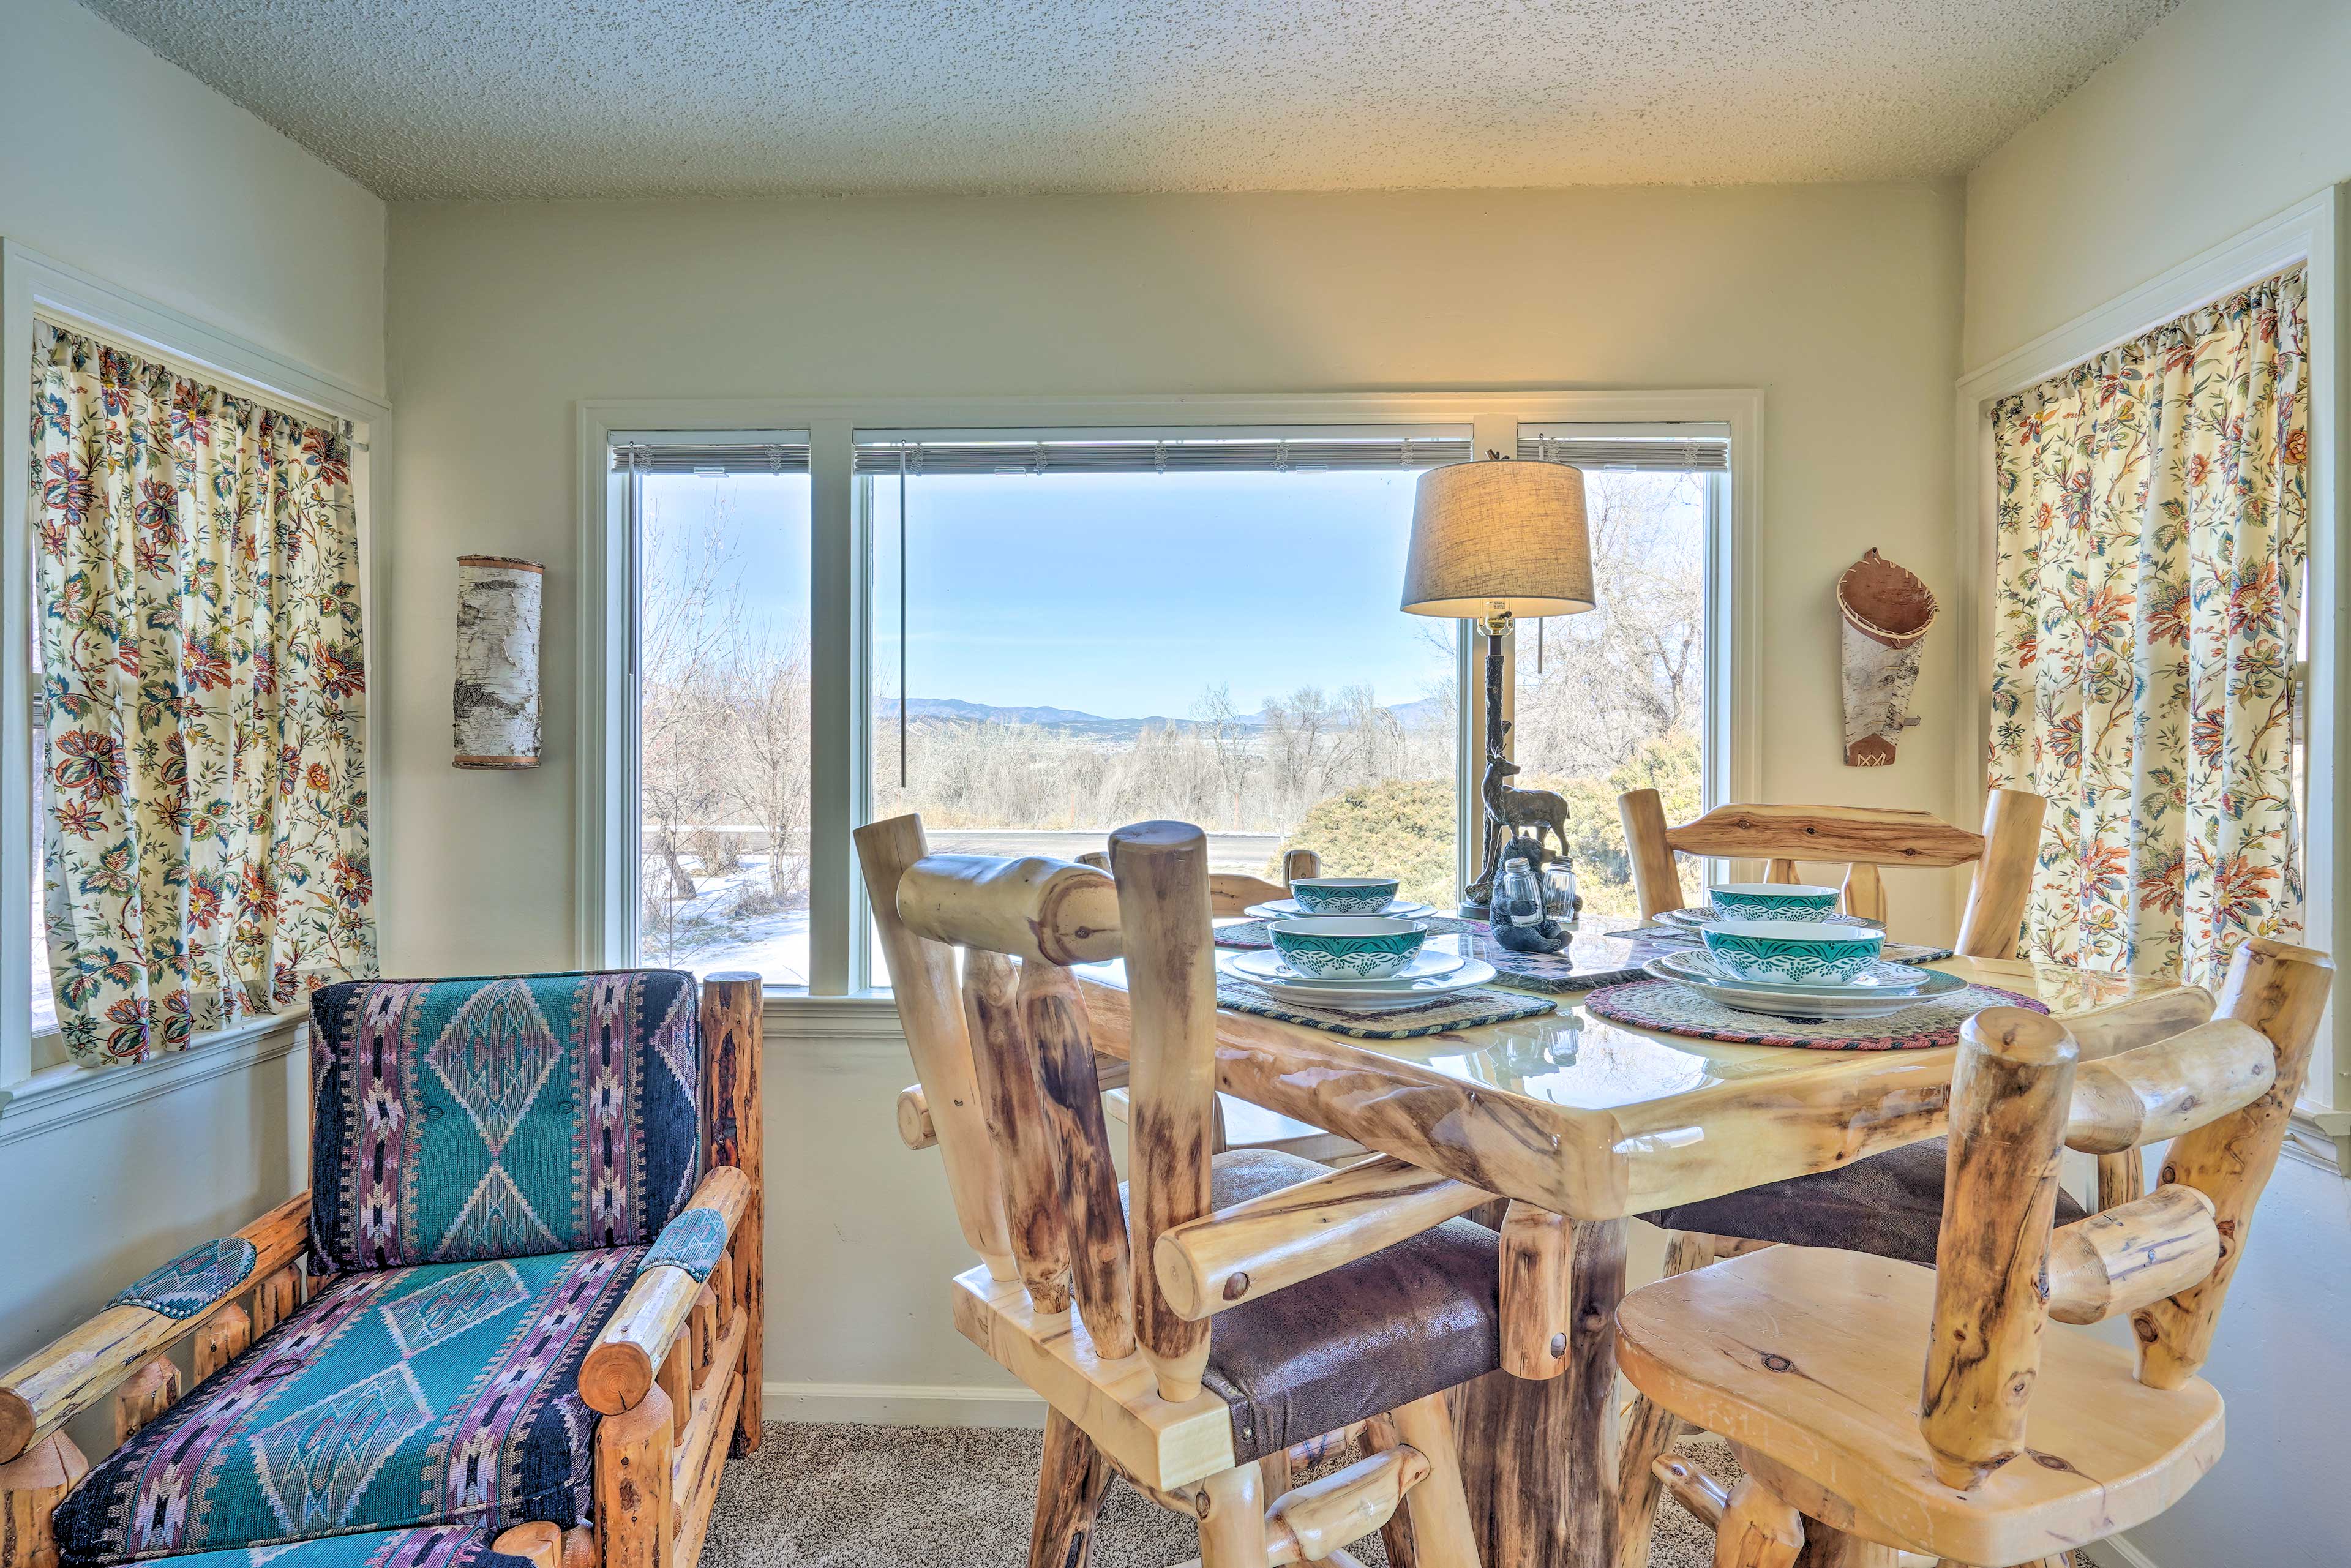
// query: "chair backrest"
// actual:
[[2220, 1090], [501, 1117], [1865, 838], [1027, 1044], [1232, 892]]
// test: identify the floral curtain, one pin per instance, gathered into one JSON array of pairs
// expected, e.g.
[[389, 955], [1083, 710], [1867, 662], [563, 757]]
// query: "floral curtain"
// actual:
[[204, 792], [2154, 518]]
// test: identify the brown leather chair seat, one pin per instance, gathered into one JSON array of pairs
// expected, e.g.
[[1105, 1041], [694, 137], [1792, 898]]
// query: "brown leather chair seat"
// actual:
[[1889, 1205], [1409, 1320]]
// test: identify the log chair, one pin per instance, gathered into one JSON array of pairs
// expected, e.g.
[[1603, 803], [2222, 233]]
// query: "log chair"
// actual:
[[1865, 839], [2018, 1445], [1109, 1308], [657, 1465]]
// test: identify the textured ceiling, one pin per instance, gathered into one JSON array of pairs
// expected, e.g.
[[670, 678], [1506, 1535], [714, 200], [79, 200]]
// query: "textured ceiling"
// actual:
[[502, 98]]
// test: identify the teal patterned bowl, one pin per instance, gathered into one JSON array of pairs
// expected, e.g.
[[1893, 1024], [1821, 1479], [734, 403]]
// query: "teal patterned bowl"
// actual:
[[1344, 894], [1791, 950], [1773, 900], [1348, 947]]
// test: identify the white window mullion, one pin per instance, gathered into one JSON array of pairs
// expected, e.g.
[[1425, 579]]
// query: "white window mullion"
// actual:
[[837, 703]]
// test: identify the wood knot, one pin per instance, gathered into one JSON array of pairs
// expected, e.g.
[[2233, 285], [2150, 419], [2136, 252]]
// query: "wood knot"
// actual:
[[1236, 1287], [1775, 1362]]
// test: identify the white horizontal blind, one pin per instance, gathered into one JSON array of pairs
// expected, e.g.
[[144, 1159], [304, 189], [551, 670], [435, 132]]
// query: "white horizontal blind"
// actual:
[[1305, 453], [713, 459], [1666, 453]]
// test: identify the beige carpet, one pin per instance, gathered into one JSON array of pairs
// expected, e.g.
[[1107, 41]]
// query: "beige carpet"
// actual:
[[937, 1497]]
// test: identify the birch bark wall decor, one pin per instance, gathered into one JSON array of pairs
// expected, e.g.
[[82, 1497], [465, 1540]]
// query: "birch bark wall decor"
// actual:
[[1887, 612], [497, 661]]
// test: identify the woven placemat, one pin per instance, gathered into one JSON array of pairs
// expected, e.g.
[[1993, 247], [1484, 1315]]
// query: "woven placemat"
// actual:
[[1672, 1009], [1253, 933], [1462, 1009]]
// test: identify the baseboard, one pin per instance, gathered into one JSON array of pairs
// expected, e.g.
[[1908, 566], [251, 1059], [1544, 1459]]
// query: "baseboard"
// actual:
[[902, 1404], [2116, 1552]]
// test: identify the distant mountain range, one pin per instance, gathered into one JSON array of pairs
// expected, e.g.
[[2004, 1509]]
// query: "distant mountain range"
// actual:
[[954, 710]]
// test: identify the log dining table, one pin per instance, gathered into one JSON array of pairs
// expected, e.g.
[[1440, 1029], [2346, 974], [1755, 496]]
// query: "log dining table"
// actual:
[[1582, 1124]]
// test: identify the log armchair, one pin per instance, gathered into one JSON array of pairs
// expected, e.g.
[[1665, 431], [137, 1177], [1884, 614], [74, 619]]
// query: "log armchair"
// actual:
[[2017, 1443], [1224, 1317], [515, 1317]]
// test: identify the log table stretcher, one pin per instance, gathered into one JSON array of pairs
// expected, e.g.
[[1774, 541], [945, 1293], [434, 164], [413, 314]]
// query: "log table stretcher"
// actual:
[[1580, 1123]]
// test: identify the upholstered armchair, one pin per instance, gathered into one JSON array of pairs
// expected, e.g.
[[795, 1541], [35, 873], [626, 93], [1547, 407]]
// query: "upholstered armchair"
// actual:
[[516, 1316]]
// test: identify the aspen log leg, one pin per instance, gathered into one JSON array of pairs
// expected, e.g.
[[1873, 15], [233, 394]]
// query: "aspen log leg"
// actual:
[[1070, 1488], [1535, 1305], [221, 1340], [2122, 1178], [1865, 890], [1828, 1547], [1232, 1527], [2008, 1097], [1651, 1431], [1759, 1529], [1542, 1472], [634, 1452], [1435, 1519], [31, 1486], [1055, 1018], [1012, 1106], [144, 1394], [731, 1041], [1398, 1535]]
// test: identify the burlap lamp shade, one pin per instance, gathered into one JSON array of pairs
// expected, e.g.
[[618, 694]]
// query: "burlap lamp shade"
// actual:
[[1499, 538]]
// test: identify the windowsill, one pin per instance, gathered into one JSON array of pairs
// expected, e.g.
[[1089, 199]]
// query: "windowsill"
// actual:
[[796, 1015], [60, 1096]]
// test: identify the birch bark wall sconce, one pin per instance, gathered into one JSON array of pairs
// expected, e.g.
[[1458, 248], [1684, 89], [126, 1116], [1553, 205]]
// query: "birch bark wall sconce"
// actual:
[[1886, 613], [496, 700]]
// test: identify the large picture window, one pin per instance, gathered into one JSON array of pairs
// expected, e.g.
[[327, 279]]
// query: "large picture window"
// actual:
[[1031, 631]]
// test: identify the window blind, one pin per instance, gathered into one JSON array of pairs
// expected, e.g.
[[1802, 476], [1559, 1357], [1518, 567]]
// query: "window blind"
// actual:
[[714, 458], [1304, 454], [1669, 454]]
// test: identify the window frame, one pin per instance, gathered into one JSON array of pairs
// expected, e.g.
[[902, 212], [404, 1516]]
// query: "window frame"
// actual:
[[839, 559], [31, 284], [2308, 233]]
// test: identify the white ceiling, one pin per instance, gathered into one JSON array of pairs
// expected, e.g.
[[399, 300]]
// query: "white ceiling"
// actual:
[[504, 98]]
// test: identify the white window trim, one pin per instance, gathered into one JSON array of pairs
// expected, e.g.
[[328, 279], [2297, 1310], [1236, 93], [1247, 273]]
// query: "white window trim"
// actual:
[[29, 283], [838, 563], [2309, 232]]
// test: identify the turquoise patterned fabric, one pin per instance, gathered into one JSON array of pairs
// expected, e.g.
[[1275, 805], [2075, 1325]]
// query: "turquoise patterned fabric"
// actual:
[[193, 1281], [501, 1118], [694, 1241], [446, 1546], [446, 1394]]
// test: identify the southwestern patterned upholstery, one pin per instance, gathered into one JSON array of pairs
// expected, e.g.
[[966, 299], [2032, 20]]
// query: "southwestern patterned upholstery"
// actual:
[[501, 1118], [437, 1395], [192, 1281], [694, 1241], [442, 1547]]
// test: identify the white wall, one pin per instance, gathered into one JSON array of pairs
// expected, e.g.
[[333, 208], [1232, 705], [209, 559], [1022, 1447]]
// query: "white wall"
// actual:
[[1841, 300], [127, 167], [2227, 112]]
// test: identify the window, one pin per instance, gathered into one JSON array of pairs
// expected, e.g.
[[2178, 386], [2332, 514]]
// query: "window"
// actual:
[[1077, 633], [1034, 620], [722, 703]]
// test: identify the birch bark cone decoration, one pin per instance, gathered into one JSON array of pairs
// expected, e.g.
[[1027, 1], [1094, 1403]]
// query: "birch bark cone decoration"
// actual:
[[496, 698], [1887, 612]]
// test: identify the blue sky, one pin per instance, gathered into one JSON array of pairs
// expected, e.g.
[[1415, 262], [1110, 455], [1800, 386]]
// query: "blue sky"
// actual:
[[1122, 595]]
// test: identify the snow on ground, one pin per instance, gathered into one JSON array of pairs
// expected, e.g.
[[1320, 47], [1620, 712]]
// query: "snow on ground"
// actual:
[[711, 932]]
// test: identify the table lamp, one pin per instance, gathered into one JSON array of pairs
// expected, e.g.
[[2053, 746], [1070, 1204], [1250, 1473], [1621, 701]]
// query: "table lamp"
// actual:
[[1492, 541]]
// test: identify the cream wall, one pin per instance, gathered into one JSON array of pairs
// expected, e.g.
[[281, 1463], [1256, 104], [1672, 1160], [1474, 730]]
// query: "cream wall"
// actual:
[[126, 167], [1842, 301], [2230, 112]]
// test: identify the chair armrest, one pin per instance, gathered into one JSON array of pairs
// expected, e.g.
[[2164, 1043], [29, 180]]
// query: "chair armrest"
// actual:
[[620, 1366], [1268, 1243], [79, 1368]]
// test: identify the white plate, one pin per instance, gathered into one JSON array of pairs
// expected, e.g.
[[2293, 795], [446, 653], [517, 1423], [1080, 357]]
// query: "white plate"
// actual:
[[1865, 1005], [1419, 993], [1264, 963], [1704, 915], [1290, 909], [1886, 979]]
